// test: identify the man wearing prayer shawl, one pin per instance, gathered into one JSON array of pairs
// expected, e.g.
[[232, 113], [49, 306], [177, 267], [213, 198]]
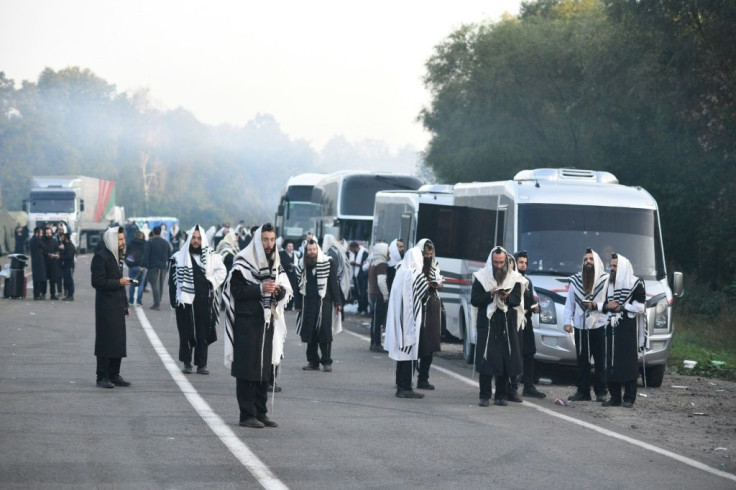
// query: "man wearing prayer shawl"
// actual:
[[335, 251], [586, 297], [625, 331], [413, 323], [256, 291], [194, 281], [496, 298], [318, 293], [111, 307]]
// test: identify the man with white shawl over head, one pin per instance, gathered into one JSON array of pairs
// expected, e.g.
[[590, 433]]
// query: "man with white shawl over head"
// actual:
[[586, 297], [335, 251], [319, 305], [196, 274], [496, 298], [256, 291], [413, 323], [625, 331]]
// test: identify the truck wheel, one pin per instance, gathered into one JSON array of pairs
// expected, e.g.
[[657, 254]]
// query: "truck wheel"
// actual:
[[468, 348], [655, 375]]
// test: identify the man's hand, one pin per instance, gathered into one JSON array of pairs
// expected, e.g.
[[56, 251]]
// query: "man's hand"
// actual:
[[568, 328], [125, 281], [268, 287], [612, 305], [338, 308], [535, 309]]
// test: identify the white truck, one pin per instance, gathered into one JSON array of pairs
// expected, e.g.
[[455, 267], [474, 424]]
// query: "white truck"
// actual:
[[86, 205]]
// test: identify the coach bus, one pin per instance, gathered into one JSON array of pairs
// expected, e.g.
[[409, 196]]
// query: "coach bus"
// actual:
[[555, 215], [297, 214], [347, 199]]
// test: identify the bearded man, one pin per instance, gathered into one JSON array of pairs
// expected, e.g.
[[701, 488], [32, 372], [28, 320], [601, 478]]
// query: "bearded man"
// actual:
[[497, 295], [586, 296], [528, 345], [318, 293], [111, 307], [256, 292], [625, 331], [195, 275]]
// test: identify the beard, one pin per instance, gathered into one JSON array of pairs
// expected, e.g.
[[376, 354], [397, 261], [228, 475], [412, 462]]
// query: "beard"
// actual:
[[427, 265], [310, 261], [499, 275], [588, 278], [195, 251], [612, 279]]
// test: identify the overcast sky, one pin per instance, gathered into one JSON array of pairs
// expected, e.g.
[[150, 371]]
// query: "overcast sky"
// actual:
[[321, 68]]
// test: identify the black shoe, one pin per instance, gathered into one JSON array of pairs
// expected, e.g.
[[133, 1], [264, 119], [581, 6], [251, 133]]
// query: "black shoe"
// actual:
[[408, 394], [311, 367], [500, 402], [119, 381], [327, 368], [155, 307], [276, 389], [579, 397], [187, 369], [55, 298], [628, 404], [203, 370], [266, 421], [601, 398], [514, 397], [611, 403], [104, 383], [424, 385], [68, 298], [484, 402], [376, 348], [252, 422], [533, 392]]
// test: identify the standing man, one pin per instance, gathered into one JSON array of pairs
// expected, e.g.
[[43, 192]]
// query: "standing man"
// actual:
[[318, 293], [496, 293], [625, 330], [195, 277], [335, 250], [378, 293], [288, 262], [68, 253], [528, 345], [53, 265], [413, 323], [134, 259], [38, 264], [111, 307], [256, 292], [21, 235], [358, 257], [586, 297], [155, 261]]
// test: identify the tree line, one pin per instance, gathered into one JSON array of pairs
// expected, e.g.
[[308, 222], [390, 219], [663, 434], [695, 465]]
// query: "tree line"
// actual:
[[643, 89]]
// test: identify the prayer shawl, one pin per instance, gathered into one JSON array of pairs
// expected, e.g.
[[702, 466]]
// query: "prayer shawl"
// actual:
[[212, 265], [111, 241], [322, 270], [624, 286], [394, 254], [406, 302], [598, 293], [520, 313], [228, 245], [252, 263], [489, 283], [344, 276]]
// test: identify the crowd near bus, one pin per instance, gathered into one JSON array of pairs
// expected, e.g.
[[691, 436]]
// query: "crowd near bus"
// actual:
[[559, 266]]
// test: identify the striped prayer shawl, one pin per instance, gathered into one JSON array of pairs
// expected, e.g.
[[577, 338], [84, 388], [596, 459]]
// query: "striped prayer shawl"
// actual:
[[322, 271], [598, 295]]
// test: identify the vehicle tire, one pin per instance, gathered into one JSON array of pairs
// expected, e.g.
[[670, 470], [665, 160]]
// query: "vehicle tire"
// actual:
[[655, 375], [468, 348]]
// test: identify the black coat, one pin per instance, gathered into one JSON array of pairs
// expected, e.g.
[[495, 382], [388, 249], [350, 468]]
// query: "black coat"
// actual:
[[53, 264], [622, 358], [252, 339], [503, 355], [528, 345], [38, 259], [111, 304], [310, 306]]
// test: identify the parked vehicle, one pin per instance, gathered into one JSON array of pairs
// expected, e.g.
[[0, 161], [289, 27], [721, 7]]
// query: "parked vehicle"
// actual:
[[297, 214]]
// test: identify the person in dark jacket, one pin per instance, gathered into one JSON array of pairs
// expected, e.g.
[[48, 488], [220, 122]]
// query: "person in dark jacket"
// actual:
[[134, 259], [155, 261], [528, 344], [38, 264], [111, 307], [68, 252], [53, 265], [288, 262], [256, 292]]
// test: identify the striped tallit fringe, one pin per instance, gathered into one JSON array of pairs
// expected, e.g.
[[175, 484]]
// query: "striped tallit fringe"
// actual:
[[322, 270]]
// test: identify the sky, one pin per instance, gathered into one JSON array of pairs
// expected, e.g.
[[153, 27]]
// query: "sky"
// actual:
[[322, 68]]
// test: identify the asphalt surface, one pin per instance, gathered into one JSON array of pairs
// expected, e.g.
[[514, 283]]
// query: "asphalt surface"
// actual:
[[343, 429]]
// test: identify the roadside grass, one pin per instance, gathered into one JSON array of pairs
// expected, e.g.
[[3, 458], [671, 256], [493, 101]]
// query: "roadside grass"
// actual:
[[708, 340]]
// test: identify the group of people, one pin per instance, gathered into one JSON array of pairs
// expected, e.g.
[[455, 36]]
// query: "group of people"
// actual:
[[53, 256]]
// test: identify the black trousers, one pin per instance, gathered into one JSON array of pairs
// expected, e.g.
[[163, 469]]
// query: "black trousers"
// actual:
[[39, 289], [502, 385], [404, 371], [313, 358], [424, 363], [252, 397], [69, 280], [108, 367], [196, 317], [528, 376], [378, 321], [585, 349], [629, 391]]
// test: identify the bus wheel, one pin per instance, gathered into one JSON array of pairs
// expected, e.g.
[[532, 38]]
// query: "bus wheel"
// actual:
[[655, 375], [468, 348]]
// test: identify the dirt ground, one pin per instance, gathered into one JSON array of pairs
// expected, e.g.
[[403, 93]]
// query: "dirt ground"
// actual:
[[688, 415]]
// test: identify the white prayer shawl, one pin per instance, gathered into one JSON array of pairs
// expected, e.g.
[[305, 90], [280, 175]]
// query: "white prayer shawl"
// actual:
[[252, 263], [489, 283], [344, 275], [214, 269], [598, 294], [209, 234], [322, 270], [624, 286], [228, 245], [110, 238], [393, 253], [405, 307], [524, 282]]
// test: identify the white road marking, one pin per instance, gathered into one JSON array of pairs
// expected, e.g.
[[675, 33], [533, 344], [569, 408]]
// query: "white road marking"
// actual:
[[241, 451], [587, 425]]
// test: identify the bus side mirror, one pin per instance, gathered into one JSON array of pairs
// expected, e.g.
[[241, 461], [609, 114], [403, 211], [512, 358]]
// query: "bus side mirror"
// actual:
[[678, 286]]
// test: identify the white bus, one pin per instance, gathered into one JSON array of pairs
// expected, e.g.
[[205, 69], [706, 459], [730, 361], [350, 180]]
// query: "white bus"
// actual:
[[297, 214], [347, 199], [555, 215]]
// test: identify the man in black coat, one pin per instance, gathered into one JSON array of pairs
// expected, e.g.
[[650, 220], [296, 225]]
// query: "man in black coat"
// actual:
[[528, 344], [53, 264], [68, 252], [111, 307], [155, 261], [38, 264], [288, 258]]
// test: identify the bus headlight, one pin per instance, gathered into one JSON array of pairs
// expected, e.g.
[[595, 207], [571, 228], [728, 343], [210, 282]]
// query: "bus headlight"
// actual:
[[547, 311], [661, 311]]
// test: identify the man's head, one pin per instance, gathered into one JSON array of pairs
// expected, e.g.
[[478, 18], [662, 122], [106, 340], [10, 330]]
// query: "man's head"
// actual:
[[614, 267], [310, 254], [588, 260], [428, 255], [289, 246], [48, 233], [121, 242], [522, 262], [354, 247], [268, 240], [195, 244], [65, 237], [588, 271], [500, 264], [139, 235], [156, 231], [400, 246], [310, 236], [37, 231]]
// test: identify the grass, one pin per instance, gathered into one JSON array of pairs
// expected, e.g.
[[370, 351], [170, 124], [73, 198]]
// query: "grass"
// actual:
[[709, 340]]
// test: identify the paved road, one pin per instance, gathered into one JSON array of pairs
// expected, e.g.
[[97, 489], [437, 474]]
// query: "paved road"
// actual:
[[343, 429]]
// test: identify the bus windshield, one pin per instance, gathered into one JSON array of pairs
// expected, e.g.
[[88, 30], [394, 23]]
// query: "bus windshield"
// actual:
[[56, 202], [358, 194], [556, 236], [299, 218]]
